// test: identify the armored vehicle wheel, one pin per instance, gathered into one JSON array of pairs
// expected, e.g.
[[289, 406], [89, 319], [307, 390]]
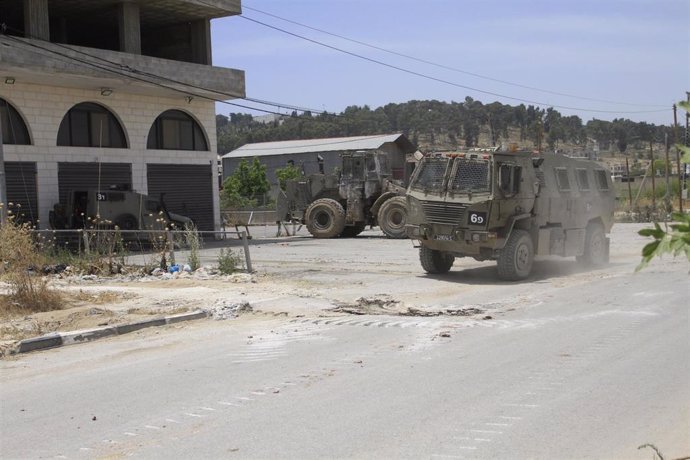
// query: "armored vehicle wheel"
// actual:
[[595, 247], [351, 231], [435, 262], [325, 218], [392, 217], [515, 261], [126, 222]]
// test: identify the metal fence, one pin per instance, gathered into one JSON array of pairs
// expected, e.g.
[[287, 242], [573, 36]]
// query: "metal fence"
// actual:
[[140, 242]]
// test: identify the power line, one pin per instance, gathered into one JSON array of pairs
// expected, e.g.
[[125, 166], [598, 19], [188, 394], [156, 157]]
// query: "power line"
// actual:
[[134, 77], [440, 80], [443, 66]]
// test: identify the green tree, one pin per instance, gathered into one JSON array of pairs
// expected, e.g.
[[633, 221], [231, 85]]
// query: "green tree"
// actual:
[[246, 185], [675, 238], [289, 172]]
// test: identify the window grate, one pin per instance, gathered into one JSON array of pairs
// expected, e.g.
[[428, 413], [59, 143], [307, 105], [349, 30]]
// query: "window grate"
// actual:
[[431, 174], [470, 176]]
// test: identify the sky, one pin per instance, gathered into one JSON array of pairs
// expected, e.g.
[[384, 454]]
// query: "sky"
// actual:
[[601, 59]]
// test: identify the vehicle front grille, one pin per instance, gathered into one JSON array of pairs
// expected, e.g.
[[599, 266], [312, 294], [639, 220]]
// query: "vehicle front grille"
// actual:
[[443, 213]]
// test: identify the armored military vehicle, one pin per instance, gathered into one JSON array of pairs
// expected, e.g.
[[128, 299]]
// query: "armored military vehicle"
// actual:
[[343, 205], [125, 209], [509, 207]]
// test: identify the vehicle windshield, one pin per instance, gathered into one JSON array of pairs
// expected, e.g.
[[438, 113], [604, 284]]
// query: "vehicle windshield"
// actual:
[[470, 176], [384, 166], [430, 175]]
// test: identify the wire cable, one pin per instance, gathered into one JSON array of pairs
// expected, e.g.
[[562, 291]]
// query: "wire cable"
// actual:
[[72, 59], [443, 66], [440, 80], [128, 68]]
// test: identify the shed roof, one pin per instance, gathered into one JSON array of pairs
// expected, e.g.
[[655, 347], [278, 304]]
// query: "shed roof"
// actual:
[[334, 144]]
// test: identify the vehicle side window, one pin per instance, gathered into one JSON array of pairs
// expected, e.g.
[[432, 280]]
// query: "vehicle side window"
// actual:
[[582, 179], [347, 167], [509, 179], [600, 176], [358, 167], [562, 179], [371, 163]]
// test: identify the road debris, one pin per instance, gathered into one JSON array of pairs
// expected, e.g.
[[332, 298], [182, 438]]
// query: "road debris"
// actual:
[[226, 309]]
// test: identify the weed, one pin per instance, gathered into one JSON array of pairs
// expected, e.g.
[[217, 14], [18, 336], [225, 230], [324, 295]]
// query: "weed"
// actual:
[[20, 260], [193, 242], [228, 262]]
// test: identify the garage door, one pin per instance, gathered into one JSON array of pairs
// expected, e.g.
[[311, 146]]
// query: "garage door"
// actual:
[[88, 176], [22, 190], [188, 190]]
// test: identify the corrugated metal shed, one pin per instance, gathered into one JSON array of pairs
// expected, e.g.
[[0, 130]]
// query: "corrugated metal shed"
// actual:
[[318, 145]]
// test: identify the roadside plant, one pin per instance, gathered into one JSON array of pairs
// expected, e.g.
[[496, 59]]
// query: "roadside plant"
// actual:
[[289, 172], [193, 241], [675, 238], [228, 262], [246, 185], [20, 265]]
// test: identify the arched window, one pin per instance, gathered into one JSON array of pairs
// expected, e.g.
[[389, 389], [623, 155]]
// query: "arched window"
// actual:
[[175, 130], [91, 125], [14, 130]]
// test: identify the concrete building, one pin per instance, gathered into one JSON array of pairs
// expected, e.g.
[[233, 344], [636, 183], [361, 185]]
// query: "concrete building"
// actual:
[[100, 92], [308, 153]]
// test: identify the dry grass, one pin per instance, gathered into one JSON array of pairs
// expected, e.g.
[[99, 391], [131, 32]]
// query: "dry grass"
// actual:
[[20, 259], [39, 299]]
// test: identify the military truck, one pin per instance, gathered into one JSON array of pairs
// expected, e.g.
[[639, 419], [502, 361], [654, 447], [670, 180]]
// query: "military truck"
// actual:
[[509, 207], [125, 209], [333, 205]]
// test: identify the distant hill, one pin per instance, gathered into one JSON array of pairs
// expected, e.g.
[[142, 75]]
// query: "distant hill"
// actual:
[[434, 125]]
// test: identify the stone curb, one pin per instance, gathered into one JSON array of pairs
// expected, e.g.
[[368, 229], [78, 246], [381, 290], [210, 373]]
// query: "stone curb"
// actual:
[[58, 339]]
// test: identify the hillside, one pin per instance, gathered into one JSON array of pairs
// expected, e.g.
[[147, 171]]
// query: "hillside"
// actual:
[[434, 125]]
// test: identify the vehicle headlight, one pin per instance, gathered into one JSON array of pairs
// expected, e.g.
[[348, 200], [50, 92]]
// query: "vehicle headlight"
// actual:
[[414, 208]]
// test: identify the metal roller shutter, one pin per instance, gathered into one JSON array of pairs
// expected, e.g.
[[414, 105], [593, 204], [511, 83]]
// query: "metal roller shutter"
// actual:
[[22, 189], [188, 190], [85, 176]]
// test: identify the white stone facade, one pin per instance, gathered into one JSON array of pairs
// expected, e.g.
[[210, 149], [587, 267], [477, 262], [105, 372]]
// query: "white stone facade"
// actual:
[[43, 107]]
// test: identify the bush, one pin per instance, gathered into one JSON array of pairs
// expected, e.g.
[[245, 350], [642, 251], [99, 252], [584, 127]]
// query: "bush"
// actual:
[[290, 172], [191, 236], [21, 262], [228, 262]]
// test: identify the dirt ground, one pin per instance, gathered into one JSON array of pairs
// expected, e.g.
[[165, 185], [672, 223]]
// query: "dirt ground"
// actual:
[[299, 275]]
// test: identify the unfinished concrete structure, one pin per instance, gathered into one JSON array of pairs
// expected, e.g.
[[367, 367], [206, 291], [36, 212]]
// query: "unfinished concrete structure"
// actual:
[[102, 92]]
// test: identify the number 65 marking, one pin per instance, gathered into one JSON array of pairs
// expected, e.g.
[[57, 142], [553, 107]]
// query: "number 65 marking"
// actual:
[[477, 218]]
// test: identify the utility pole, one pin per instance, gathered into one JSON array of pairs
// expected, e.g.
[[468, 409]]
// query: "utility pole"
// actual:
[[681, 173], [3, 182], [687, 142], [651, 167], [667, 196], [627, 177]]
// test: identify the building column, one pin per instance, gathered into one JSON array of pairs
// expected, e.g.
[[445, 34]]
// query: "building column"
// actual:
[[139, 176], [129, 24], [201, 41], [48, 190], [36, 19]]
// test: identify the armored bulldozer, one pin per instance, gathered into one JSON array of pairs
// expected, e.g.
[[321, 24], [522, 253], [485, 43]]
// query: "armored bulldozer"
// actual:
[[509, 207], [125, 209], [333, 205]]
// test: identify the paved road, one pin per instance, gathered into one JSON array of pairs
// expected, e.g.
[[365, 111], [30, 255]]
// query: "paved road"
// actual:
[[586, 369]]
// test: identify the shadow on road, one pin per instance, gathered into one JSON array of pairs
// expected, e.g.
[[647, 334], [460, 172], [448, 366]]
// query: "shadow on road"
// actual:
[[543, 270]]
